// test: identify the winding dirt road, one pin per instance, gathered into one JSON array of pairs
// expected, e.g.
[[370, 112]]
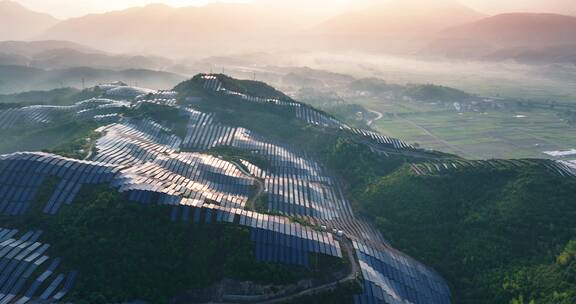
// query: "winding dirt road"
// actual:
[[378, 117], [345, 245]]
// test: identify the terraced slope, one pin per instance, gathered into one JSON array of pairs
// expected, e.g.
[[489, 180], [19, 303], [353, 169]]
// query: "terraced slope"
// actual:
[[234, 157], [142, 159]]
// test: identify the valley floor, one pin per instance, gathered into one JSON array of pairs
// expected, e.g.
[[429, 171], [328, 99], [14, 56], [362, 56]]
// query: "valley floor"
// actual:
[[477, 135]]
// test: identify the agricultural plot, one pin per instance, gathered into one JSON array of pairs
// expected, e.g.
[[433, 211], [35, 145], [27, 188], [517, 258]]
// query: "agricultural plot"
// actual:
[[478, 135]]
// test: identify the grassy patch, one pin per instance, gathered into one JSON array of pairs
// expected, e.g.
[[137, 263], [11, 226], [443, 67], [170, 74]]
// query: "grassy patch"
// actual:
[[60, 96], [81, 145], [165, 115], [53, 136]]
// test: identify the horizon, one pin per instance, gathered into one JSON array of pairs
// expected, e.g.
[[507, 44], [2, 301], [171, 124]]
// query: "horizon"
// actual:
[[65, 9]]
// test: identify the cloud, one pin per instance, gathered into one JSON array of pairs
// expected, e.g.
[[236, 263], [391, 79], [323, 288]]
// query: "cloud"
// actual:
[[542, 6]]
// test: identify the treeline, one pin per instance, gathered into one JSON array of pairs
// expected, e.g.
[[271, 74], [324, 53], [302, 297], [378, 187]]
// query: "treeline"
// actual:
[[59, 97], [421, 92]]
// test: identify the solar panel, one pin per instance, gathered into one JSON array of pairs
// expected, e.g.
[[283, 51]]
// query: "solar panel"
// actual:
[[142, 158]]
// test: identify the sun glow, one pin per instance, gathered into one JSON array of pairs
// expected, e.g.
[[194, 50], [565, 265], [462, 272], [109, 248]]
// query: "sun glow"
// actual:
[[73, 8]]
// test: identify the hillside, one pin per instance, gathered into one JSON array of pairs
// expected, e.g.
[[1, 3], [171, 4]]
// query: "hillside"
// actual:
[[234, 188], [14, 15], [526, 37], [20, 78], [54, 54], [33, 48], [491, 213], [434, 93], [499, 232], [62, 96]]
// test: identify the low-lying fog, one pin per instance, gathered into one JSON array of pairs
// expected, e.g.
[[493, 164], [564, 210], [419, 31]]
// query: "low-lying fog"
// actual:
[[506, 79]]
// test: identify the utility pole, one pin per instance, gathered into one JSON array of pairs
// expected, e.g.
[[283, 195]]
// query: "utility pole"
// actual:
[[83, 83]]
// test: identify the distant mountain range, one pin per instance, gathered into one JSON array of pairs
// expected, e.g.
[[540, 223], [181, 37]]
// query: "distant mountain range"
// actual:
[[441, 28], [163, 29], [63, 54], [525, 37], [402, 22], [21, 78], [18, 22]]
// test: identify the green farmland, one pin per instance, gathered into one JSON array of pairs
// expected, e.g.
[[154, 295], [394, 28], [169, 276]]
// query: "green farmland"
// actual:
[[492, 134]]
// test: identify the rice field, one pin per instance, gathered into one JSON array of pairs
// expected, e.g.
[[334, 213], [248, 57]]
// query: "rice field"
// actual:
[[504, 134]]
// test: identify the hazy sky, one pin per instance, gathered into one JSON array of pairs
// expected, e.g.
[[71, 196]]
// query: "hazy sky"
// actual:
[[69, 8]]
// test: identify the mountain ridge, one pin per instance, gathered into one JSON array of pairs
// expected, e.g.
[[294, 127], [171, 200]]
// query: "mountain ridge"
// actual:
[[14, 15], [525, 37], [403, 22]]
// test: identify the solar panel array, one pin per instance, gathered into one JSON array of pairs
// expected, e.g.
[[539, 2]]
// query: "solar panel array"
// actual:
[[136, 141], [202, 188], [143, 159], [44, 114], [308, 114], [564, 168], [297, 186], [124, 91], [165, 98], [27, 273], [22, 174], [203, 133], [391, 277], [561, 168], [191, 176], [276, 238]]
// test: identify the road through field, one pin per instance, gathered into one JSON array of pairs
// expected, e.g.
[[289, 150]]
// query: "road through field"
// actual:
[[378, 117]]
